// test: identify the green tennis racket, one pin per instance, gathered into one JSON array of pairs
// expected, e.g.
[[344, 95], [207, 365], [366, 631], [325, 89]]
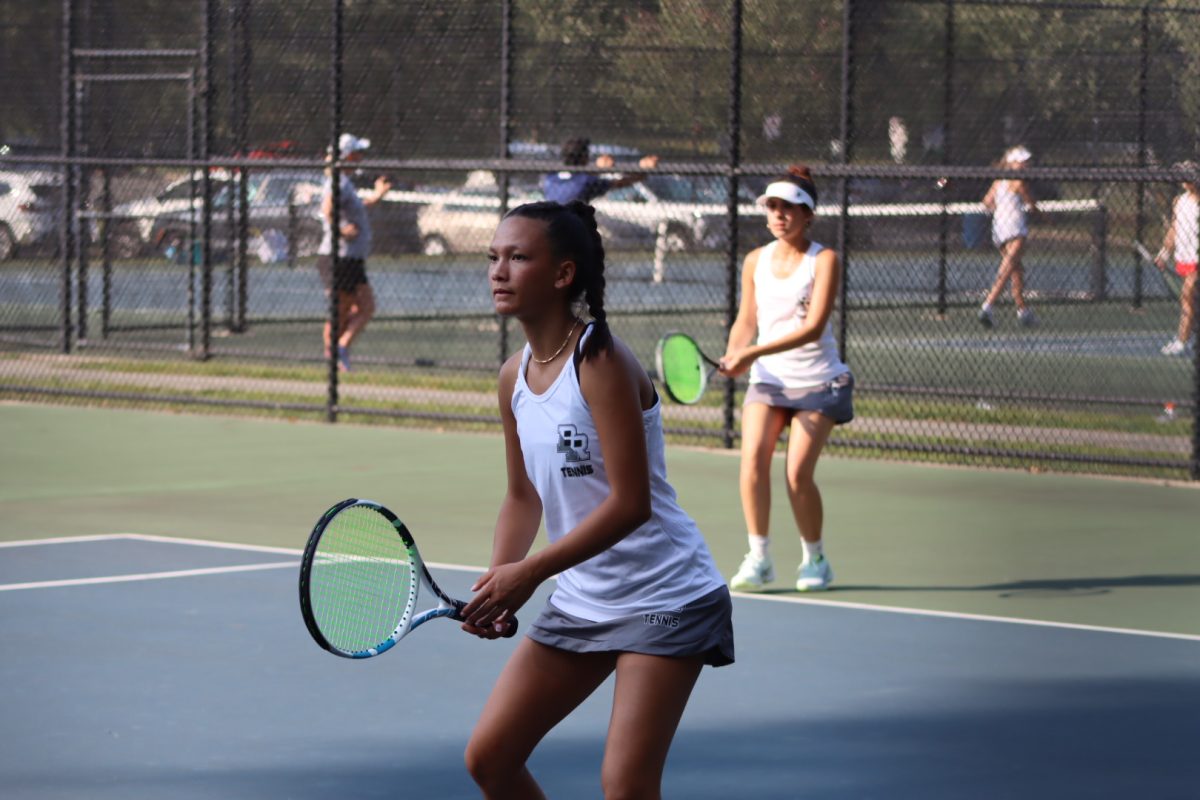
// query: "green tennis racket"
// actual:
[[1170, 280], [359, 582], [683, 367]]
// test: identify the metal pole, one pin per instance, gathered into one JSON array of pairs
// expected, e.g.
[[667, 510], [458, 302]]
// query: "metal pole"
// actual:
[[847, 139], [237, 175], [191, 237], [1143, 90], [239, 43], [67, 138], [506, 82], [206, 136], [947, 121], [106, 252], [335, 132], [83, 178], [734, 160]]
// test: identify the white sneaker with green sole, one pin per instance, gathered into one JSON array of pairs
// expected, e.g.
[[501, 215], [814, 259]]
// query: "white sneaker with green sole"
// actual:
[[753, 575], [814, 576]]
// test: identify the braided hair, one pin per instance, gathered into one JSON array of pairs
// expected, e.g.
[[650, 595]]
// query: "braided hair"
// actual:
[[574, 235]]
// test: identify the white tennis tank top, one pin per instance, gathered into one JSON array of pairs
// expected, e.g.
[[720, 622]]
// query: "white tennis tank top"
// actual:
[[662, 565], [782, 308], [1008, 218], [1187, 229]]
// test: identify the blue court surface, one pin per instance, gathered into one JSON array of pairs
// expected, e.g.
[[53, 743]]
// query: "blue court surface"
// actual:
[[140, 667]]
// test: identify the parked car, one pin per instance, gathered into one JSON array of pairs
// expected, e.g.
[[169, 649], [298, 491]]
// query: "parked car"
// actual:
[[30, 207], [684, 212], [284, 211]]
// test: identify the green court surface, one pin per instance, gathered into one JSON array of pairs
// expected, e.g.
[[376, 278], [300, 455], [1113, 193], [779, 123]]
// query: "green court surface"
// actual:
[[1064, 549]]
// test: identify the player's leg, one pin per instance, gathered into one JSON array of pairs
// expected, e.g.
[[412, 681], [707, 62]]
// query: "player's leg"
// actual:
[[648, 702], [361, 313], [1187, 307], [810, 430], [761, 427], [538, 687]]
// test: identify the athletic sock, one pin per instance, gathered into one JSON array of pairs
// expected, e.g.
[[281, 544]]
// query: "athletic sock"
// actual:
[[813, 551], [759, 546]]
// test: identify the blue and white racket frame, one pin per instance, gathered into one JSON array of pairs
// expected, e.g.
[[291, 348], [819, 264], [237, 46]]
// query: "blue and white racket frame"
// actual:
[[447, 606]]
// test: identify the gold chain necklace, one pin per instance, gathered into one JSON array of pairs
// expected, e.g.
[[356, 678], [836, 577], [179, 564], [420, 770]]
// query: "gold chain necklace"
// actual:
[[561, 347]]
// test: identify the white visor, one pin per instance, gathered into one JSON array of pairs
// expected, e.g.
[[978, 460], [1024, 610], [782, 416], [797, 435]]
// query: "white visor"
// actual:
[[1018, 155], [786, 190]]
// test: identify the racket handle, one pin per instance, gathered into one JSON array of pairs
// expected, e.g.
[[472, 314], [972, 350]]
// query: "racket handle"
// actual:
[[511, 630]]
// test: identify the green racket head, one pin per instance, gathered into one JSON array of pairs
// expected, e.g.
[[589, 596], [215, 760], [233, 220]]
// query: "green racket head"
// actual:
[[360, 579], [681, 368]]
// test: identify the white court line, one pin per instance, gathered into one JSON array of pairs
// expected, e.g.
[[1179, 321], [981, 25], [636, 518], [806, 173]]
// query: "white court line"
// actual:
[[923, 612], [100, 537], [917, 612], [146, 576]]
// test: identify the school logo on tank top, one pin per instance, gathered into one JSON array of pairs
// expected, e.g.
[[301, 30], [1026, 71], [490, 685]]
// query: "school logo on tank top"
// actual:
[[574, 447]]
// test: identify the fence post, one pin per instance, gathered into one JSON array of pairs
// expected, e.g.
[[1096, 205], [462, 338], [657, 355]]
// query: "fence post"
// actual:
[[206, 189], [1143, 81], [335, 222], [67, 133], [506, 66], [947, 117], [734, 161], [847, 138]]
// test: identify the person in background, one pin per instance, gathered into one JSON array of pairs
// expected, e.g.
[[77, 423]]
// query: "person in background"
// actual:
[[565, 186], [1009, 202], [798, 382], [347, 274], [1181, 244]]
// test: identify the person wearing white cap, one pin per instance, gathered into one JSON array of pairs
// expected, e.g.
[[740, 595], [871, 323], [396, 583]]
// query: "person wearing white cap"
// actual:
[[798, 382], [1009, 201], [347, 274], [1181, 244]]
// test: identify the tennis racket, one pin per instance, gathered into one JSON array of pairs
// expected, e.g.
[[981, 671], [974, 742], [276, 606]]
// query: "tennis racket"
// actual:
[[1170, 280], [359, 582], [683, 367]]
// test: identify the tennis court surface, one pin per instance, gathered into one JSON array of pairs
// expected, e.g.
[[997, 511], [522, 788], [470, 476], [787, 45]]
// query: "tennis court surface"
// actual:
[[992, 634]]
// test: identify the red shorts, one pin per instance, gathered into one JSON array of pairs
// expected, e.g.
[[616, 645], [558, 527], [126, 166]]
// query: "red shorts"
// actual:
[[1184, 268]]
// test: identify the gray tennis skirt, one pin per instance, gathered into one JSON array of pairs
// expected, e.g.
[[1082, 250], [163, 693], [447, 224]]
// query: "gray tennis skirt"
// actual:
[[703, 626], [834, 399]]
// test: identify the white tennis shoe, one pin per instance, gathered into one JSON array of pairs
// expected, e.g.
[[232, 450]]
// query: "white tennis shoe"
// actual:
[[814, 576], [753, 575], [1173, 348]]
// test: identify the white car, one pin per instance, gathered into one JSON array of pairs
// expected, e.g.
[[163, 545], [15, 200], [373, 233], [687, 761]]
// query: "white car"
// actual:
[[675, 212], [30, 207]]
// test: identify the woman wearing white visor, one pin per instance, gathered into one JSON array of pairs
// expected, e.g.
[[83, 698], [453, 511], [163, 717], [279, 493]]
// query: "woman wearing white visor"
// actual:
[[797, 380], [1009, 201]]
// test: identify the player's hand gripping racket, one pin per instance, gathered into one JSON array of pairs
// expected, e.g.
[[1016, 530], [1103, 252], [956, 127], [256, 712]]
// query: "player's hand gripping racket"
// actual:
[[1170, 280], [683, 367], [359, 581]]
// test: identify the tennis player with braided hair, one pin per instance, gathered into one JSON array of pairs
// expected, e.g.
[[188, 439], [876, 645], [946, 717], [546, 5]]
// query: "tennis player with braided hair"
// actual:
[[798, 382], [638, 592]]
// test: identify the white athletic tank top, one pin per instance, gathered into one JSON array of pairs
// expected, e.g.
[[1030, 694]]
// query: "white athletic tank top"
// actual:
[[1187, 229], [782, 308], [662, 565], [1008, 218]]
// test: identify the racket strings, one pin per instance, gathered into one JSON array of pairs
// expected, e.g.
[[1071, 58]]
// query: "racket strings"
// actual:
[[361, 580], [682, 368]]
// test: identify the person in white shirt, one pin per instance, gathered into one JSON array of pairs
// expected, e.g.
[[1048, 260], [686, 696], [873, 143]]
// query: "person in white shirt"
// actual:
[[1009, 202], [1181, 244], [637, 591], [798, 382]]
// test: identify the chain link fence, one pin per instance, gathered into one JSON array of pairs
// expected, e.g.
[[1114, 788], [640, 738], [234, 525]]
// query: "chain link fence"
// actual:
[[161, 170]]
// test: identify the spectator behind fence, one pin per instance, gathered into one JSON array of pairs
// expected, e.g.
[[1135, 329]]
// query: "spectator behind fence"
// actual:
[[1008, 201], [347, 274], [1182, 244], [565, 186]]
